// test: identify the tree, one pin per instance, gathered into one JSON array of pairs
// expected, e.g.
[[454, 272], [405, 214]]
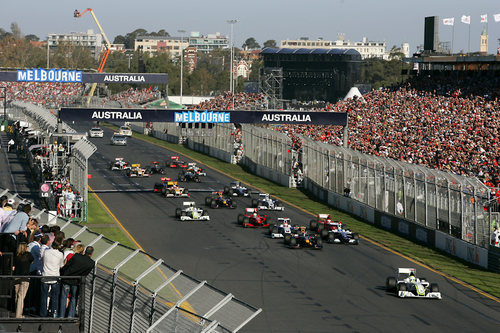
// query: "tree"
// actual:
[[16, 31], [250, 44], [31, 37], [119, 40], [396, 54], [270, 43], [255, 69]]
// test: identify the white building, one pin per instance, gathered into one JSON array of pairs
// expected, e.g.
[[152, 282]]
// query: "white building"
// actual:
[[367, 49], [153, 44], [87, 39], [209, 42]]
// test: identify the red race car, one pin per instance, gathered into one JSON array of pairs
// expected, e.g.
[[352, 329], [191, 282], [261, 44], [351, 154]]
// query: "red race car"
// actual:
[[252, 219], [175, 162]]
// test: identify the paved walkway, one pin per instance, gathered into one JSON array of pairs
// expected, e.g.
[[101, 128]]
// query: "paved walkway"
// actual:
[[15, 174]]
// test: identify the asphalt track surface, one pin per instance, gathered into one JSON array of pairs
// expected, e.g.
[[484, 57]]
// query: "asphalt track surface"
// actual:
[[337, 289]]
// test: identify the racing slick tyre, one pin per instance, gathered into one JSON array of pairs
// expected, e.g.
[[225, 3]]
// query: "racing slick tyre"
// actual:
[[273, 229], [320, 227], [287, 238], [213, 204], [181, 177], [184, 214], [319, 242], [323, 234], [178, 212], [313, 225], [355, 235], [233, 205], [292, 242], [208, 201], [246, 221], [163, 191], [330, 237], [390, 284], [255, 203], [185, 191], [277, 203], [423, 279], [204, 213], [240, 218], [434, 288], [226, 189], [196, 179], [401, 287]]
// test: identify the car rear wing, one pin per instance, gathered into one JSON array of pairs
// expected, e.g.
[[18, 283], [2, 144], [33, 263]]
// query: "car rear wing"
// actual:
[[283, 219], [188, 203], [406, 270], [174, 157], [119, 159], [165, 179], [263, 195], [323, 216], [192, 164], [251, 210], [136, 165]]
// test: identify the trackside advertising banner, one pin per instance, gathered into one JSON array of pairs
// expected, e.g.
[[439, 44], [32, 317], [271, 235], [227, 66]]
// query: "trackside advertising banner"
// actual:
[[207, 116], [75, 76]]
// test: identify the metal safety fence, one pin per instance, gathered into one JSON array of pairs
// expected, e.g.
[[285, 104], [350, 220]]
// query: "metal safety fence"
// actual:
[[132, 291], [437, 200]]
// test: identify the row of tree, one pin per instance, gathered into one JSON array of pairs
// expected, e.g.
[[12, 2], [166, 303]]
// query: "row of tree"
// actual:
[[211, 75]]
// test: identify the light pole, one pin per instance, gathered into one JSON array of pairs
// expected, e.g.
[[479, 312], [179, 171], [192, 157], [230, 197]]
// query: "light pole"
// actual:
[[231, 82], [182, 32], [129, 56]]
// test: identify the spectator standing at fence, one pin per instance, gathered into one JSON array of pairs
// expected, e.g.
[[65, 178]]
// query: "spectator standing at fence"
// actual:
[[22, 263], [79, 265], [53, 260]]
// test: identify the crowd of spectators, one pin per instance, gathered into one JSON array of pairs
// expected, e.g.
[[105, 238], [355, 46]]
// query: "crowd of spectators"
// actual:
[[242, 101], [46, 94], [133, 97], [49, 266]]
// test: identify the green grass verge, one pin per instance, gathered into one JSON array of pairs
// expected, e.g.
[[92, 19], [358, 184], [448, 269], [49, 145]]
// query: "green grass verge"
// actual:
[[460, 269], [97, 217]]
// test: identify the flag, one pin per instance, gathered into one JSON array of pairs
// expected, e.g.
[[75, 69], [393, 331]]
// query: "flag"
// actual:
[[465, 19], [449, 21], [496, 17], [484, 18]]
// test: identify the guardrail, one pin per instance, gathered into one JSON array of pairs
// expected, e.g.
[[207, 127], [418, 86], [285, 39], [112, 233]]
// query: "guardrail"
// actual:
[[131, 291]]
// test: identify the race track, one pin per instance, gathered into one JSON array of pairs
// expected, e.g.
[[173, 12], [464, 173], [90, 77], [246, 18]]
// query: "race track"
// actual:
[[338, 289]]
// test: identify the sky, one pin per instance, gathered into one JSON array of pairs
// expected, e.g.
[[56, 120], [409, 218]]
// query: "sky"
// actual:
[[393, 21]]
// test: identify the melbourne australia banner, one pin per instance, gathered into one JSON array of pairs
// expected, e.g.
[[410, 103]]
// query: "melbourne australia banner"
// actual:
[[204, 116]]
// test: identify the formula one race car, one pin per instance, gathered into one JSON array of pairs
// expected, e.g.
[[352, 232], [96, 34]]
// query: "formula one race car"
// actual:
[[196, 169], [157, 169], [175, 162], [188, 176], [251, 218], [303, 240], [172, 190], [219, 200], [191, 213], [333, 231], [159, 186], [137, 171], [406, 284], [236, 190], [265, 202], [283, 228], [120, 164]]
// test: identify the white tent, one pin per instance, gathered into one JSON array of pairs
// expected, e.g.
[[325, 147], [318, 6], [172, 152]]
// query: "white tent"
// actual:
[[354, 92]]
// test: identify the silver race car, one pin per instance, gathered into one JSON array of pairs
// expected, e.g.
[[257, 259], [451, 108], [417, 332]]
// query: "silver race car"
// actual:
[[191, 213], [406, 284], [265, 202]]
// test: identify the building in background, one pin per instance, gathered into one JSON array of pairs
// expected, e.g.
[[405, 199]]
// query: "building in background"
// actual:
[[88, 39], [207, 43], [154, 44], [367, 49], [190, 58], [483, 47]]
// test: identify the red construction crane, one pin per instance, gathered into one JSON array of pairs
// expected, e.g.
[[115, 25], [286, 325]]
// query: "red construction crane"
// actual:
[[107, 44]]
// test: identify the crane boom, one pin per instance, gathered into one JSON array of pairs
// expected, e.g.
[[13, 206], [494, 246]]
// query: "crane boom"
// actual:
[[77, 14]]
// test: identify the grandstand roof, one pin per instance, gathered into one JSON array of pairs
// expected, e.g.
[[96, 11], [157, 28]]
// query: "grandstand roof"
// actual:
[[272, 50]]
